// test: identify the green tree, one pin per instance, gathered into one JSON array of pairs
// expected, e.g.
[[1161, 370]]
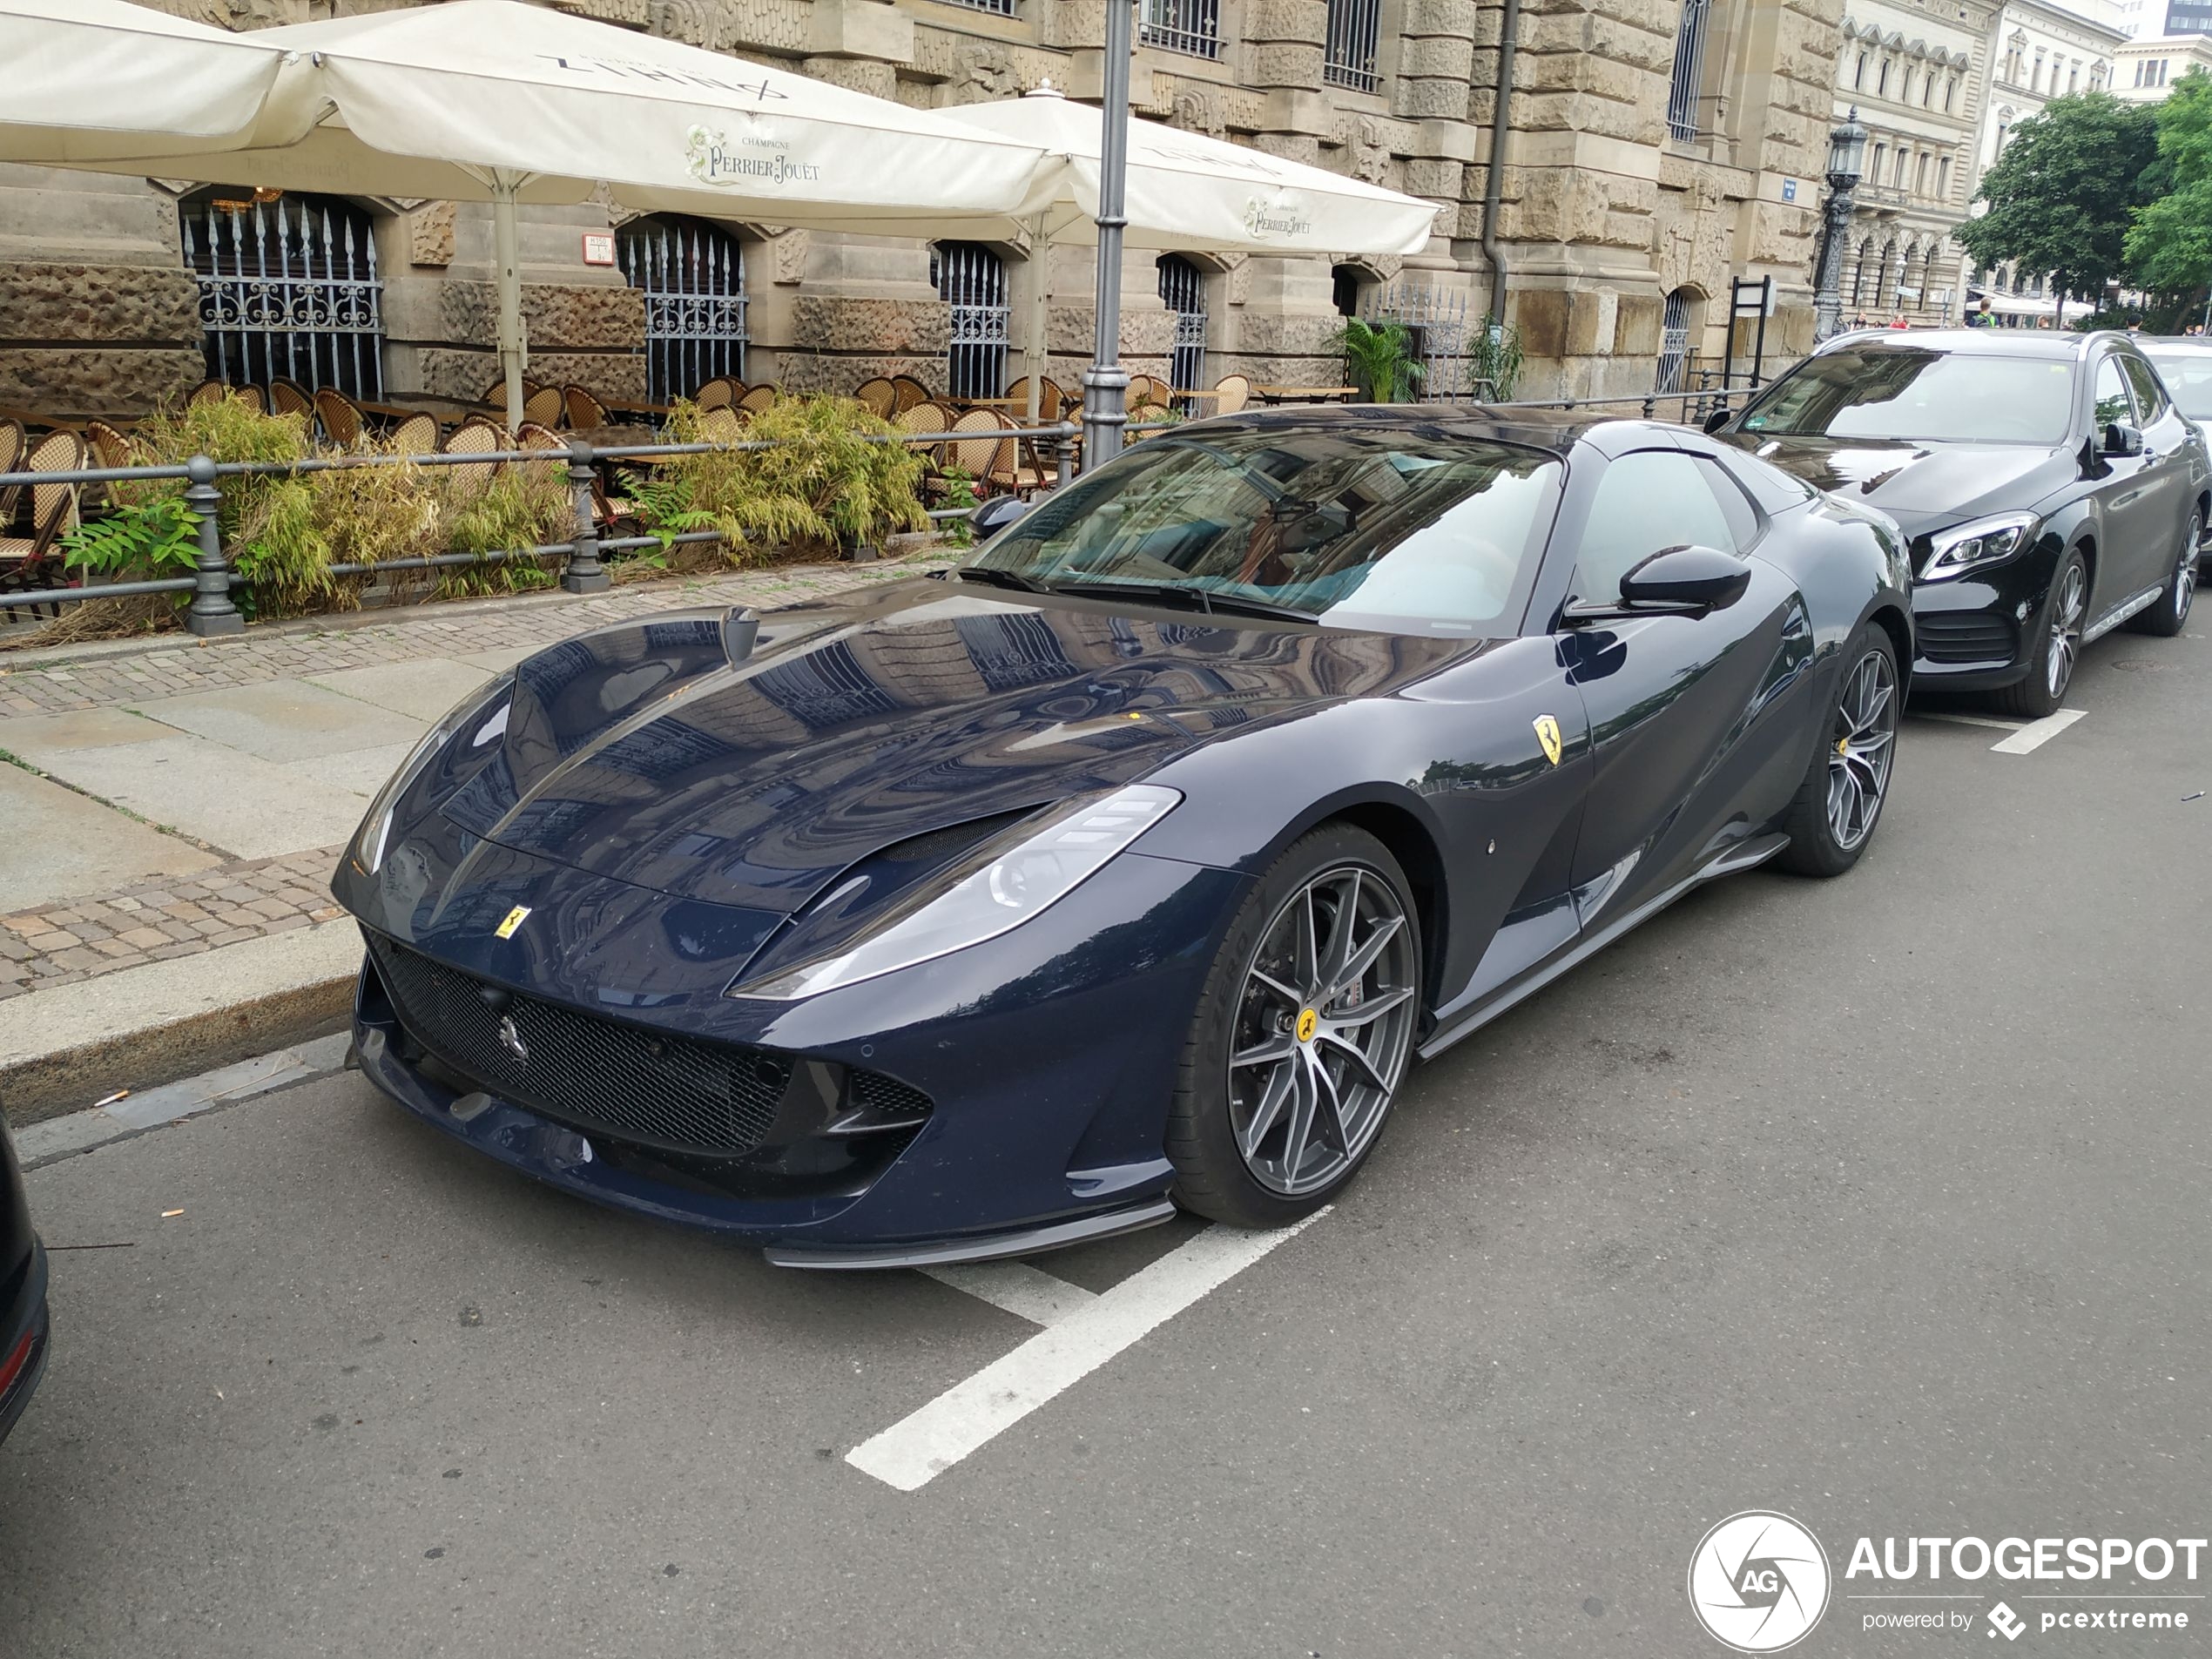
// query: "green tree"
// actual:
[[2064, 192], [2170, 246]]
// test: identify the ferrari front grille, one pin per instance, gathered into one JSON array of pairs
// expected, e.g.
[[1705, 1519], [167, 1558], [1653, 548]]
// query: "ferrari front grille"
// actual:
[[657, 1090]]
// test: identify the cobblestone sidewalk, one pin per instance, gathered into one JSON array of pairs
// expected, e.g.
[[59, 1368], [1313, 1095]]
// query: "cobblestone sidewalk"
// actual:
[[167, 665], [152, 921]]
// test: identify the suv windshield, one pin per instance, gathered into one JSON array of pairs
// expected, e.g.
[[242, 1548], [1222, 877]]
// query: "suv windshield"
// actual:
[[1402, 531], [2188, 375], [1898, 392]]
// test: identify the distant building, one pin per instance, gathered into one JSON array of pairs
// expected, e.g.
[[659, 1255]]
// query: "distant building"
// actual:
[[2189, 16], [2149, 69]]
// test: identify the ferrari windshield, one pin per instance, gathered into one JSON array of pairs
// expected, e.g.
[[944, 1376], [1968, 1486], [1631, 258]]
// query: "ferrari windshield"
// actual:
[[1898, 392], [1403, 529], [2188, 374]]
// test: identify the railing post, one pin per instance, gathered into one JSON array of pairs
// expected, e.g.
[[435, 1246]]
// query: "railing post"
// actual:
[[584, 574], [212, 613], [1064, 458]]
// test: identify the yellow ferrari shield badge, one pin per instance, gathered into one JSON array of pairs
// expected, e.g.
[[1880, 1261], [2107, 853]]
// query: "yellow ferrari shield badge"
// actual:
[[1308, 1022], [515, 918], [1548, 734]]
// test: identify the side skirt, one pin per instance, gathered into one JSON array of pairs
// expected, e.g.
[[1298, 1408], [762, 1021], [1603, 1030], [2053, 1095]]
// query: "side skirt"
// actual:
[[2120, 613], [1746, 855]]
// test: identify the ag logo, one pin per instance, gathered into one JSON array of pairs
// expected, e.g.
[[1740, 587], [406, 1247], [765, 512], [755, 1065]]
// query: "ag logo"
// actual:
[[1548, 734], [1759, 1582]]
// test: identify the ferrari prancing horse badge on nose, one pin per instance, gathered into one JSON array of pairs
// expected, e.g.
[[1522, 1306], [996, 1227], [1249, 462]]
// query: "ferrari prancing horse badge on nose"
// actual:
[[1548, 734]]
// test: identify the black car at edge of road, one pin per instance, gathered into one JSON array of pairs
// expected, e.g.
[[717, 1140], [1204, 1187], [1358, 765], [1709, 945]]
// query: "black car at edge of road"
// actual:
[[23, 1293], [1127, 865], [2049, 489]]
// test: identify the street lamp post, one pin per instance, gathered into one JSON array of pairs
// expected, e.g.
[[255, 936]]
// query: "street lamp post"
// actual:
[[1105, 382], [1846, 166]]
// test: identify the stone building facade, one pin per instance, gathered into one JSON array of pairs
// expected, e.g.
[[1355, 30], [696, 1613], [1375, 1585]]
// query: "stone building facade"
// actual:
[[1915, 75], [1652, 151]]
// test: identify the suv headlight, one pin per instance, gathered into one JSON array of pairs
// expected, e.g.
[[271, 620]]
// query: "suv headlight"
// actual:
[[1983, 542], [377, 828], [1016, 879]]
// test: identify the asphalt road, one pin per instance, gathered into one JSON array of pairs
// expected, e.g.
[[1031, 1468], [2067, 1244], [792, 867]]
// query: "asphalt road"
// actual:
[[1878, 1202]]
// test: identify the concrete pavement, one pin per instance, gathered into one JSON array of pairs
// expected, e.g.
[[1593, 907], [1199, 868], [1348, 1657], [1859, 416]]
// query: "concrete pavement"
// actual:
[[163, 801]]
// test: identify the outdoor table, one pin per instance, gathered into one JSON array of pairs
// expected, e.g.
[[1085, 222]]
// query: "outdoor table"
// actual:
[[1306, 393]]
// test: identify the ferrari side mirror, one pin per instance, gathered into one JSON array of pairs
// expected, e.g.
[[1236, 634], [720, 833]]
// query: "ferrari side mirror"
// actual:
[[1702, 579]]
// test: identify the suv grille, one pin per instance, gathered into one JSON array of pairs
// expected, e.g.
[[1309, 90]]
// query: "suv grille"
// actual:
[[1963, 636], [648, 1087]]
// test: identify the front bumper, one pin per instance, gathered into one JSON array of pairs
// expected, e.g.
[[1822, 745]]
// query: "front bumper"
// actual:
[[1978, 633], [1048, 1056], [24, 1343]]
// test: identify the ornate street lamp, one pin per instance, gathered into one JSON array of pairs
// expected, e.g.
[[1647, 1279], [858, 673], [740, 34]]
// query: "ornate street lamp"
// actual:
[[1846, 166]]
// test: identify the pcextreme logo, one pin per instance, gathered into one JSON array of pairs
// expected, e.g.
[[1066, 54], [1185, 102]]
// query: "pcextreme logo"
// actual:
[[1759, 1582]]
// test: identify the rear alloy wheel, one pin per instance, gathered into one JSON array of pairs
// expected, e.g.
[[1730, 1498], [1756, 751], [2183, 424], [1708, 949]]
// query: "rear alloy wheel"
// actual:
[[1304, 1035], [2166, 616], [1836, 807], [2058, 646]]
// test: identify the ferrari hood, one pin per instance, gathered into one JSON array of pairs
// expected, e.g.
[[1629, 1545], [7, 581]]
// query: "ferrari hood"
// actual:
[[639, 753], [1922, 485]]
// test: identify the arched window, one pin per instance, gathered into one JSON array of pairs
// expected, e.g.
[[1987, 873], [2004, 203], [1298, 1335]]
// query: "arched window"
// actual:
[[692, 276], [1858, 74], [1882, 80], [1183, 288], [971, 278], [1674, 341], [1346, 283], [288, 288]]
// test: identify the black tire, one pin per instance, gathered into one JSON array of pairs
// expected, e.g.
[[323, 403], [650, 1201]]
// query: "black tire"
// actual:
[[2166, 616], [1832, 818], [2037, 695], [1214, 1107]]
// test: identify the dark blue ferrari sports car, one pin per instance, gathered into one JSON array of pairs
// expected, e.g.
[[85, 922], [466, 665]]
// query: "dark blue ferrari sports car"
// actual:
[[1129, 864]]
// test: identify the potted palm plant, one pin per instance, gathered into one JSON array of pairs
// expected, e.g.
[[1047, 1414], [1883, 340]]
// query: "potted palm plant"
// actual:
[[1378, 359]]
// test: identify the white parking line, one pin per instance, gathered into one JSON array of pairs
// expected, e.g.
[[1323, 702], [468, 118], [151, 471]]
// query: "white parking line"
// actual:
[[2036, 734], [1969, 720], [1016, 1287], [915, 1450]]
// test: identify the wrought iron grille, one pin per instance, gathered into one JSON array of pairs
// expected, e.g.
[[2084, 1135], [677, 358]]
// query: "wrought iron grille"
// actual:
[[1674, 341], [1183, 286], [1355, 27], [1192, 26], [972, 280], [1690, 70], [288, 290], [998, 8], [692, 275], [1436, 327]]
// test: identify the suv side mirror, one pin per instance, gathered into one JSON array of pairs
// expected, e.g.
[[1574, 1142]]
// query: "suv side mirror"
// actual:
[[1717, 419], [1688, 578], [2120, 439], [994, 514]]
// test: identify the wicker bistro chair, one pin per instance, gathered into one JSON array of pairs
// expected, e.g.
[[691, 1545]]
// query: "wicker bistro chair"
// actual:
[[721, 425], [720, 393], [53, 511], [416, 435], [1232, 394], [605, 508], [758, 398], [925, 417], [207, 392], [982, 457], [473, 438], [586, 412], [1021, 473], [879, 394], [1145, 412], [289, 397], [1049, 399], [909, 394], [545, 406], [340, 417], [12, 448]]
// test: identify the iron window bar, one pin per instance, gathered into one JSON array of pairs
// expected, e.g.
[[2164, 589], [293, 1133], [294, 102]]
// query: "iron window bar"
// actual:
[[1190, 26], [288, 290], [1354, 34], [692, 277], [1689, 69]]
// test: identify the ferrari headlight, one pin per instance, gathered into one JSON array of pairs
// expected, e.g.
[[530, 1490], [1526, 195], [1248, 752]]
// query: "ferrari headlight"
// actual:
[[486, 708], [1013, 884], [1983, 542]]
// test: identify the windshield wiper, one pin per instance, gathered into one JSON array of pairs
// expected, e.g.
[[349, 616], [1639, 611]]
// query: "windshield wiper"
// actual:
[[1186, 598], [1003, 579]]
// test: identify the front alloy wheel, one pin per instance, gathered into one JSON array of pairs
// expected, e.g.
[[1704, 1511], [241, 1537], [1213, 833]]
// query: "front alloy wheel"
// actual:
[[1322, 1033], [1303, 1032], [1862, 746]]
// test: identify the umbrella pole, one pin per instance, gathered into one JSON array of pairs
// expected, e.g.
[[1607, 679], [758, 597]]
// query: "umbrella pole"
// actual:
[[1105, 382], [506, 252], [1040, 271]]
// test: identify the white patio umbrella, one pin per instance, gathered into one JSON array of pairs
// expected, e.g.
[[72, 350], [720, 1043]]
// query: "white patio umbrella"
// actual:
[[496, 101], [1188, 193], [193, 87]]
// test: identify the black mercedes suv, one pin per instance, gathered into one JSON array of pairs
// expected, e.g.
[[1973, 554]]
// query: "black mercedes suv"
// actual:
[[2049, 489]]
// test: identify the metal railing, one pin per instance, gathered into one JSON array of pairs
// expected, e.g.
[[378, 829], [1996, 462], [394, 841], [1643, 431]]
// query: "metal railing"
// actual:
[[1354, 34], [213, 612], [1192, 26]]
